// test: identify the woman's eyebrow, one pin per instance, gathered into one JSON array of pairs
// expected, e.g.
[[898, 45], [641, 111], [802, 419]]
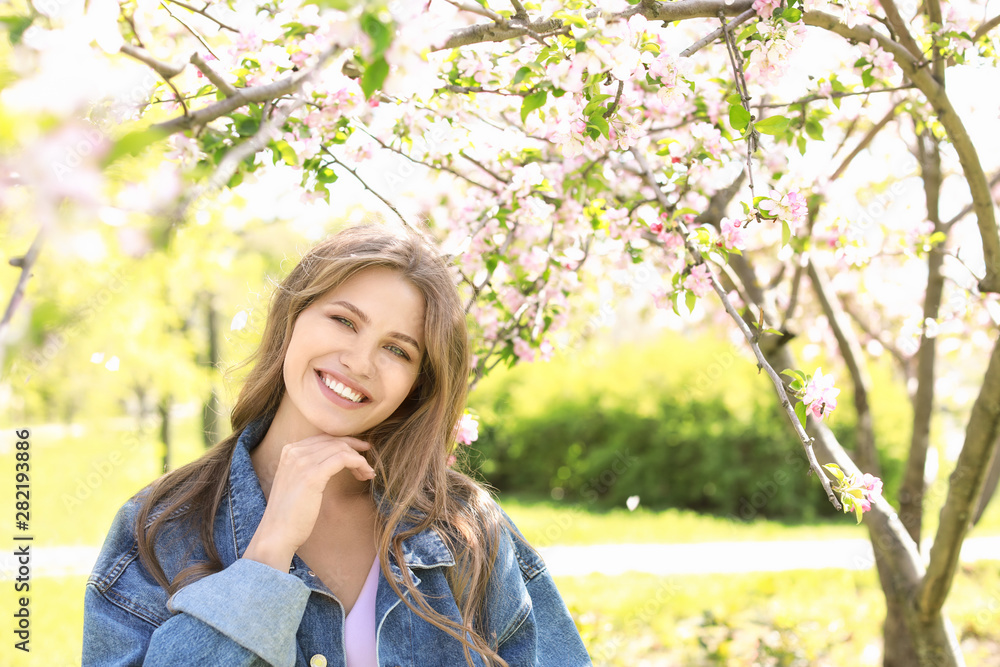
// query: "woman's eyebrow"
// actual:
[[366, 320]]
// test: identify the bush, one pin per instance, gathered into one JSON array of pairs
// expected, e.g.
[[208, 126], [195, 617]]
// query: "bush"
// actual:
[[656, 422]]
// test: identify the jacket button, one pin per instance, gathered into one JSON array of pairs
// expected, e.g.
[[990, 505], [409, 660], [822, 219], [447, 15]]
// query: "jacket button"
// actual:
[[311, 573], [317, 660]]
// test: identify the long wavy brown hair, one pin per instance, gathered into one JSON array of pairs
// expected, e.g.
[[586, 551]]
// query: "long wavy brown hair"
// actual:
[[416, 487]]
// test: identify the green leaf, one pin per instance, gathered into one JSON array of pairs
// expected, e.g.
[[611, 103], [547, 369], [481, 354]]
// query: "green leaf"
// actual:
[[521, 73], [599, 123], [867, 78], [772, 125], [286, 152], [133, 143], [835, 471], [735, 99], [532, 102], [800, 141], [814, 129], [739, 117], [374, 76], [689, 300], [16, 25], [380, 33], [792, 373], [791, 14], [326, 174], [786, 232], [800, 412]]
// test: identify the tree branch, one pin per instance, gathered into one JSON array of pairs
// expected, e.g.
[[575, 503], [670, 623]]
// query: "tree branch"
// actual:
[[262, 93], [911, 494], [227, 89], [899, 26], [865, 141], [762, 362], [25, 264], [230, 162], [850, 350], [382, 199], [165, 70], [834, 95], [203, 12], [934, 14], [717, 33], [191, 30], [500, 31], [967, 154], [965, 486], [476, 9], [986, 27]]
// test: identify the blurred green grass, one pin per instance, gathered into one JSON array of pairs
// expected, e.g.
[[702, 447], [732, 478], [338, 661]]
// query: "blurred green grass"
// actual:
[[796, 618], [79, 479], [820, 618]]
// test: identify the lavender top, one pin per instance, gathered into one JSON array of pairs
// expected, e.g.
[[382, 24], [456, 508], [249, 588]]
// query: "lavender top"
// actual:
[[359, 627]]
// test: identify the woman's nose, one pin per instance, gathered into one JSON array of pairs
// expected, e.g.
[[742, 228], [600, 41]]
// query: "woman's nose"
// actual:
[[359, 359]]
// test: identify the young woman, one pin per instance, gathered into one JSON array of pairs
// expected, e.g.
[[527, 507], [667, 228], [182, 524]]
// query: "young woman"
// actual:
[[328, 529]]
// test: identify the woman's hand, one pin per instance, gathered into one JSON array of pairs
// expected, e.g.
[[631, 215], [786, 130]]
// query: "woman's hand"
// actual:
[[296, 495]]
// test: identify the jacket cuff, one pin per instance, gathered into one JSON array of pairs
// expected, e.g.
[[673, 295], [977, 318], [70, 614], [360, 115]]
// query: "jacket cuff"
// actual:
[[255, 605]]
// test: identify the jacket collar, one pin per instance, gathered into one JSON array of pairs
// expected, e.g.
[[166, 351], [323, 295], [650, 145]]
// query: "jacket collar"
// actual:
[[426, 549]]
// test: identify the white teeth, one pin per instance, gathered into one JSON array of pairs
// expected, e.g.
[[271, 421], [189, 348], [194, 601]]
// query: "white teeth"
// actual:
[[341, 390]]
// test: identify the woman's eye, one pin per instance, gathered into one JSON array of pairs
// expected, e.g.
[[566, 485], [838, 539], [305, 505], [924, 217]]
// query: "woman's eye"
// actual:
[[399, 352], [343, 320]]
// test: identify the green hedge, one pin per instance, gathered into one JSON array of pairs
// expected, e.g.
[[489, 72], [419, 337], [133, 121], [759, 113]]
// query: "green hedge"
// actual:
[[678, 422]]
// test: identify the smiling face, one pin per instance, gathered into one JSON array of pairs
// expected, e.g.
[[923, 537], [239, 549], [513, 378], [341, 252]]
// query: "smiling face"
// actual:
[[353, 357]]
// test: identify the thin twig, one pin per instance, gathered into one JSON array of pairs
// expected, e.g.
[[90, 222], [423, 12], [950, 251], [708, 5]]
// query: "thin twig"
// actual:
[[715, 34], [414, 160], [354, 173], [204, 13], [483, 167], [189, 29], [476, 9], [751, 339], [25, 264], [736, 60], [614, 104], [835, 95]]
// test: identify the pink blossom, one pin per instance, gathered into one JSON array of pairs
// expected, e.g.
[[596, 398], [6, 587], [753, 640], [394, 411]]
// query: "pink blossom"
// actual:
[[873, 484], [545, 351], [765, 8], [467, 431], [523, 350], [820, 395], [699, 280], [791, 208], [451, 460], [733, 234]]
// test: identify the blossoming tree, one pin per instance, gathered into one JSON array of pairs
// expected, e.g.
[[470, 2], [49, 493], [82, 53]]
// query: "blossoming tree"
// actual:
[[564, 140]]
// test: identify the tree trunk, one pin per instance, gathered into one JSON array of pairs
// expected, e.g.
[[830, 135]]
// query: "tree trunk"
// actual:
[[164, 409], [210, 409], [989, 488]]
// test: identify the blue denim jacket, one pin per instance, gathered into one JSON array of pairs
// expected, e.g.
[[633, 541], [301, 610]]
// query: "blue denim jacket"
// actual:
[[252, 614]]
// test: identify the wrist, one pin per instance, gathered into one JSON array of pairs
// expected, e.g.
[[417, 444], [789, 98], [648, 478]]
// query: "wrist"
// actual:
[[268, 552]]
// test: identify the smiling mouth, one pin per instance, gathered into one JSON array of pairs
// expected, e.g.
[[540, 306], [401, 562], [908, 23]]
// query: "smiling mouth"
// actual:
[[342, 390]]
